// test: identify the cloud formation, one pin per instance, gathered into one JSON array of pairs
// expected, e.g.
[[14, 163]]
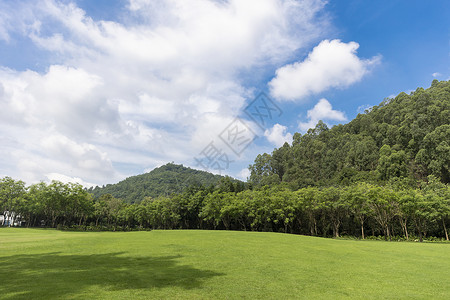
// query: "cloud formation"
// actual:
[[154, 87], [331, 64], [321, 111], [244, 174], [278, 135]]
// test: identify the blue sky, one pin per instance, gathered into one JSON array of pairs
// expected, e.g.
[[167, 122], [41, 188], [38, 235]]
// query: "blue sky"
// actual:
[[95, 91]]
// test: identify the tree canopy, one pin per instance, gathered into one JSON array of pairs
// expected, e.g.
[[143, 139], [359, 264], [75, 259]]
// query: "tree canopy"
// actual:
[[405, 138]]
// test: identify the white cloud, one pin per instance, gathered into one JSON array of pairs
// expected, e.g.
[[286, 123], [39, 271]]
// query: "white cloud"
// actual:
[[85, 158], [321, 111], [67, 179], [331, 64], [436, 74], [244, 174], [155, 87], [278, 135]]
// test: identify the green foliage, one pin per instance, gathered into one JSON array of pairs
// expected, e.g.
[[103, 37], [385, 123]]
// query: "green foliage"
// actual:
[[12, 194], [406, 137], [162, 181]]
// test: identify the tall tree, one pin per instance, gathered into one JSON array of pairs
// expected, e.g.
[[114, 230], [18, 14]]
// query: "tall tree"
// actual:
[[11, 193]]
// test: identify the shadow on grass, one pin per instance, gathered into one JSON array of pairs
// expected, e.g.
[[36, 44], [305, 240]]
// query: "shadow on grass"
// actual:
[[58, 275]]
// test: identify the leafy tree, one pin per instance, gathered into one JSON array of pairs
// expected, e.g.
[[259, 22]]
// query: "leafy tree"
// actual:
[[262, 171], [435, 155], [309, 197], [357, 200], [11, 193], [383, 203], [438, 196]]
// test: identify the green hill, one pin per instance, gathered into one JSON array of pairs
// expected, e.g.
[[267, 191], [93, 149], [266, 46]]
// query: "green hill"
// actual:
[[162, 181], [402, 139]]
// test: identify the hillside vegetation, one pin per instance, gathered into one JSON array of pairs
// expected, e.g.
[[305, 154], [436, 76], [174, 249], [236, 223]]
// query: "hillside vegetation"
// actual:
[[162, 181], [403, 139]]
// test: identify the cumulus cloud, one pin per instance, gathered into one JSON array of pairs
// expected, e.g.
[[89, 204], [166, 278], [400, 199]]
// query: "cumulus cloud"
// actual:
[[436, 74], [67, 179], [331, 64], [85, 157], [244, 174], [123, 96], [278, 135], [321, 111]]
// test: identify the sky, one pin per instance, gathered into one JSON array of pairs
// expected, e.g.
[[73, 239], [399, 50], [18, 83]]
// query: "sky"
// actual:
[[97, 91]]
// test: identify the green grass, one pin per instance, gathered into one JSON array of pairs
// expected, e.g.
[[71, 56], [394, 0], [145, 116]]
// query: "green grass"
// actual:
[[50, 264]]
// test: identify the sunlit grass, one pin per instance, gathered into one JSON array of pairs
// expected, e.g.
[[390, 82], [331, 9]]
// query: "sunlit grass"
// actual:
[[47, 264]]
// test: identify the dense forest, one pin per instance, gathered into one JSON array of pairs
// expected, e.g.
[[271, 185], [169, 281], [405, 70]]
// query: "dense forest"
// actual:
[[384, 174], [402, 139]]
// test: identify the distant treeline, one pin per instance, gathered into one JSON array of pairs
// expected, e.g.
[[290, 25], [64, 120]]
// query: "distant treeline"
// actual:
[[358, 210]]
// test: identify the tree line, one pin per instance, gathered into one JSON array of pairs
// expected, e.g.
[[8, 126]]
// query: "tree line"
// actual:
[[359, 210]]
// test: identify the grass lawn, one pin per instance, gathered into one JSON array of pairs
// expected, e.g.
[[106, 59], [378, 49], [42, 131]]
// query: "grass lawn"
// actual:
[[191, 264]]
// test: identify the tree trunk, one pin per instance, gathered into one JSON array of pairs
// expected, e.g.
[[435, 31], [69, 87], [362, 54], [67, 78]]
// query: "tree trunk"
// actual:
[[315, 227], [420, 233], [445, 229], [226, 223], [243, 224], [406, 232], [361, 221], [11, 220], [336, 229], [299, 224], [5, 217]]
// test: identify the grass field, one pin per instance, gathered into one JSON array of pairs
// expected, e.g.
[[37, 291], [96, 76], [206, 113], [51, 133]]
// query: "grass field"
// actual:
[[50, 264]]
